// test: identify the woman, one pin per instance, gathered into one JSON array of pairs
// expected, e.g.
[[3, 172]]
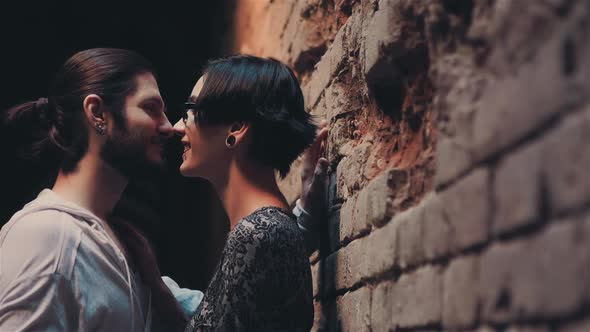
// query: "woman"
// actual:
[[245, 121]]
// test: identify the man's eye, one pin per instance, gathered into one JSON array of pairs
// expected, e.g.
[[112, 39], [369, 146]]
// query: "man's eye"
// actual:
[[150, 108]]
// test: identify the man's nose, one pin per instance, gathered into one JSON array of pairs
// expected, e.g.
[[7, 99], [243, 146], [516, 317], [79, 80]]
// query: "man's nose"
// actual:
[[166, 129]]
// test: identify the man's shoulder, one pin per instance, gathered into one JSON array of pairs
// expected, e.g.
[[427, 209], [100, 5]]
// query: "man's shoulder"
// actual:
[[43, 225], [39, 242]]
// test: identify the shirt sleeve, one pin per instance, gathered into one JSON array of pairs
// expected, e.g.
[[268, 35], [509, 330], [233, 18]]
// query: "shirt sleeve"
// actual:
[[35, 292], [189, 299], [306, 225], [41, 303]]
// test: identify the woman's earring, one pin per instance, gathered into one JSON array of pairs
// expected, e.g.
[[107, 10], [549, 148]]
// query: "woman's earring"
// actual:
[[100, 127], [230, 141]]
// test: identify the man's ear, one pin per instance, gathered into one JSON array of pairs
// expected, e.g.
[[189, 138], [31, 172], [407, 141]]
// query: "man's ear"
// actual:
[[95, 113], [237, 133]]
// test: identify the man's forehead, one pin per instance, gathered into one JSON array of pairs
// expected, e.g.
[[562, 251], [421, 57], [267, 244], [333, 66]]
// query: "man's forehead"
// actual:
[[147, 88]]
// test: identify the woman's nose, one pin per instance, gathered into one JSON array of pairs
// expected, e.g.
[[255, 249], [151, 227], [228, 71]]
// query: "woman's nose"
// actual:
[[178, 128]]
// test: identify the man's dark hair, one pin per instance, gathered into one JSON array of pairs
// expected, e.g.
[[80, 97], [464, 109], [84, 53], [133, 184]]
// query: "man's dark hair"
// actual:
[[54, 127], [265, 93]]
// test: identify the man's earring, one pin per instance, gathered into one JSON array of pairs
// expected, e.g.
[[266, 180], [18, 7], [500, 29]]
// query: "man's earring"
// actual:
[[100, 127], [230, 141]]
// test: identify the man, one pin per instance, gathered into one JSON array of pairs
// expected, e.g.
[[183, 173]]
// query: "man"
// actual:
[[62, 265]]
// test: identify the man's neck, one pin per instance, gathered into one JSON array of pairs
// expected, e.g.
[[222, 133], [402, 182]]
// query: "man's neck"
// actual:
[[247, 189], [93, 185]]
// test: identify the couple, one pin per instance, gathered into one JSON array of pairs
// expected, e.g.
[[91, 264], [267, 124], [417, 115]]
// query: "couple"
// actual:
[[64, 265]]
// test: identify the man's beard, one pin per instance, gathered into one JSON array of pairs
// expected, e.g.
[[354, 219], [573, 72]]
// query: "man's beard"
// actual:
[[127, 153]]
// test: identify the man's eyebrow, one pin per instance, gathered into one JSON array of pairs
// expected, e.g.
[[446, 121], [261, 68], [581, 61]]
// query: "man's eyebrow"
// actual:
[[158, 101], [192, 99]]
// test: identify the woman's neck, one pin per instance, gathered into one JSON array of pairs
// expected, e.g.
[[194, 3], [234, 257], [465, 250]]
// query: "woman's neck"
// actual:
[[247, 189]]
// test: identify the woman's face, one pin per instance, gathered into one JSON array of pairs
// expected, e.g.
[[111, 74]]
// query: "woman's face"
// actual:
[[204, 145]]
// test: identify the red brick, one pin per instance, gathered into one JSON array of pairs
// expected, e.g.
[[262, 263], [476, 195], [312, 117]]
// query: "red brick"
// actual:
[[451, 160], [460, 296], [580, 326], [350, 168], [292, 28], [325, 69], [484, 328], [319, 110], [410, 237], [467, 208], [382, 307], [460, 83], [320, 322], [539, 276], [348, 266], [418, 298], [280, 14], [337, 100], [437, 232], [525, 98], [382, 252], [382, 30], [340, 139], [566, 162], [347, 219], [320, 78], [354, 310], [517, 190], [528, 329], [373, 205], [385, 193], [414, 300]]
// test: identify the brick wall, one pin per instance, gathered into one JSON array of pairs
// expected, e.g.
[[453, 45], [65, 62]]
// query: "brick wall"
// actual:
[[459, 198]]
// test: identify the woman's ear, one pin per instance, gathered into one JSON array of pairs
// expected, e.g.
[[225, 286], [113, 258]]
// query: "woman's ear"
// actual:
[[95, 113], [236, 133]]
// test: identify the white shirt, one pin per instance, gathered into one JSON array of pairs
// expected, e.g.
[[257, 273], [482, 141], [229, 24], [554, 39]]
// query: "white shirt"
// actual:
[[60, 271]]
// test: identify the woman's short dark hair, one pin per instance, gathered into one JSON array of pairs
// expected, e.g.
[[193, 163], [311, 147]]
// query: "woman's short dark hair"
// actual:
[[54, 126], [265, 93]]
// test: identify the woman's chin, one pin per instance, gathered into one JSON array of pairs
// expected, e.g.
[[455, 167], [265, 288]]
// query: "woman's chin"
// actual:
[[183, 170], [186, 171]]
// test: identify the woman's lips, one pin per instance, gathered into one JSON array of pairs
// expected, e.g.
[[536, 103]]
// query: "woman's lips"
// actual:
[[187, 147]]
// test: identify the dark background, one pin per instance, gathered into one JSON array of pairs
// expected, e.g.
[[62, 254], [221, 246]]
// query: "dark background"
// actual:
[[181, 217]]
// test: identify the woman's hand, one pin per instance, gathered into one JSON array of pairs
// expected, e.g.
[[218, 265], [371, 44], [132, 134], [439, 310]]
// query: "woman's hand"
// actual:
[[313, 175]]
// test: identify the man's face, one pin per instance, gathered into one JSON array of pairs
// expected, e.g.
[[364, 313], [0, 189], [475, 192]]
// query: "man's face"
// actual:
[[136, 150]]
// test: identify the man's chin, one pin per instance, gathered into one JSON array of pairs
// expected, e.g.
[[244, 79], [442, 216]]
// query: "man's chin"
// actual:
[[138, 167]]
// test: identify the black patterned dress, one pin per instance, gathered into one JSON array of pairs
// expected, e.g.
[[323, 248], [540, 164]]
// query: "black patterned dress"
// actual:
[[263, 281]]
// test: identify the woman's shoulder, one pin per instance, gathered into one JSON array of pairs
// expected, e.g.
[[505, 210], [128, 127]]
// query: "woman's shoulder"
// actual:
[[269, 219], [268, 224]]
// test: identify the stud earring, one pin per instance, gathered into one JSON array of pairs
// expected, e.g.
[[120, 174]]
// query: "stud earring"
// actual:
[[230, 141], [100, 127]]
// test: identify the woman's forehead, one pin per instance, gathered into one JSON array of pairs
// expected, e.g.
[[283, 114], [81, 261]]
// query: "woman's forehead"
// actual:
[[197, 88]]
